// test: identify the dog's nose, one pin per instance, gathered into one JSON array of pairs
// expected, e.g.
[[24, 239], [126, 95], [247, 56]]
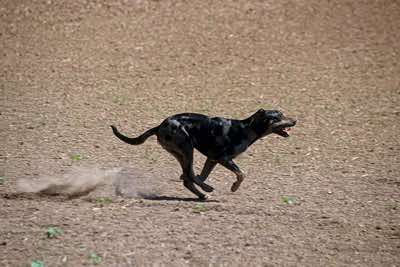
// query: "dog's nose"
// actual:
[[294, 122]]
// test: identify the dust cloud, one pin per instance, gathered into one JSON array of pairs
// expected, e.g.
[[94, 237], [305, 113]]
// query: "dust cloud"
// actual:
[[80, 181]]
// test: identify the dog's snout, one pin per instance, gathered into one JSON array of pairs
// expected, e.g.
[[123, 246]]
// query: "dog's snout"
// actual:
[[294, 122]]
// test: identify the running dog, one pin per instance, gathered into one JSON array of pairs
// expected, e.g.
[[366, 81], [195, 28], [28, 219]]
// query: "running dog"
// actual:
[[219, 139]]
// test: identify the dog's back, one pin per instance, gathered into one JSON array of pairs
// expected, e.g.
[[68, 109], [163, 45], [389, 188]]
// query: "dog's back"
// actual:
[[215, 137]]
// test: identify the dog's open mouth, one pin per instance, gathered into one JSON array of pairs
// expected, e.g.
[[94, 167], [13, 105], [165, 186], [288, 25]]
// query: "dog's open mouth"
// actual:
[[283, 132], [283, 127]]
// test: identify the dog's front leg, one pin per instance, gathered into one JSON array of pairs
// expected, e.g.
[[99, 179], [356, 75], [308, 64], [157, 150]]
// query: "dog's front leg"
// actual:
[[230, 165]]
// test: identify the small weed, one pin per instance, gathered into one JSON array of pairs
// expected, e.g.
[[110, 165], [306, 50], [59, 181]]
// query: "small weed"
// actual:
[[94, 258], [392, 206], [151, 156], [37, 263], [76, 157], [103, 200], [120, 100], [199, 208], [53, 231], [2, 179], [288, 200]]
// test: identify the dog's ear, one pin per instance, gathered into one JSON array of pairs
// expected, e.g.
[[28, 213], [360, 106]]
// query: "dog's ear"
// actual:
[[259, 113], [257, 117]]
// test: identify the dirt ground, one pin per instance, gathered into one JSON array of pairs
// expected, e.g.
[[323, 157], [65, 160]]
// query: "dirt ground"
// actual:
[[327, 196]]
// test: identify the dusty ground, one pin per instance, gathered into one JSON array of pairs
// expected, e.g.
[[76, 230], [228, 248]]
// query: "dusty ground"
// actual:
[[71, 68]]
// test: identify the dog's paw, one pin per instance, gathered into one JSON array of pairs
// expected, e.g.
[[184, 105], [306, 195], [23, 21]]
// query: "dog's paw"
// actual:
[[235, 186], [203, 198], [204, 186]]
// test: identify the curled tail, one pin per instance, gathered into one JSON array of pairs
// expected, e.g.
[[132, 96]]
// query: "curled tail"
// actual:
[[135, 141]]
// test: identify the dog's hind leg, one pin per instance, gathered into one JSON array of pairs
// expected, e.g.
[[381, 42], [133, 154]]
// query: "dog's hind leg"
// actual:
[[207, 169], [185, 158], [181, 147], [230, 165], [189, 185], [188, 174]]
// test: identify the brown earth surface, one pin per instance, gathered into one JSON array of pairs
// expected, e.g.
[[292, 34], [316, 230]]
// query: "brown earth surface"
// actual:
[[327, 196]]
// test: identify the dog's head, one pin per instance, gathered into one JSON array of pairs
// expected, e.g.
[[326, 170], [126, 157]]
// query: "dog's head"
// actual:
[[265, 122]]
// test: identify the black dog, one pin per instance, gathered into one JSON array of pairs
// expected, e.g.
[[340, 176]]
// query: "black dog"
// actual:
[[219, 139]]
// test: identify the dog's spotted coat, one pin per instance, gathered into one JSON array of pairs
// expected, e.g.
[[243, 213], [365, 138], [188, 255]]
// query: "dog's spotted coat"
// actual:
[[219, 139]]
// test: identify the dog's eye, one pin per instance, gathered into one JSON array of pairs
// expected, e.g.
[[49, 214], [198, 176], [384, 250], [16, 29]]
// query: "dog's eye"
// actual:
[[273, 120]]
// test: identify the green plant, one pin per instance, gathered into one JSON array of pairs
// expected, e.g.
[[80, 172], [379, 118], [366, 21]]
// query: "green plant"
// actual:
[[36, 263], [288, 200], [151, 156], [120, 100], [199, 208], [94, 258], [53, 231], [103, 200], [2, 179], [393, 206], [76, 157]]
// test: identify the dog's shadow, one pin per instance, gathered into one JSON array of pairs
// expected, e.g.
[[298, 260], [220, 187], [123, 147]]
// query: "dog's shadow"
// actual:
[[61, 198], [169, 198]]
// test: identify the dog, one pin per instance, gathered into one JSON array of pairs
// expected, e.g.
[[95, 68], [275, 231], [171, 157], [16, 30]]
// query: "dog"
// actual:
[[219, 139]]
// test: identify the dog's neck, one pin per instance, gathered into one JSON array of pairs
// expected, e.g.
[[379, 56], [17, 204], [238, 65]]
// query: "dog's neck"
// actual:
[[253, 133]]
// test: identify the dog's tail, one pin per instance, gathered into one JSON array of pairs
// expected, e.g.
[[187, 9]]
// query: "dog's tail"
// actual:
[[137, 140]]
